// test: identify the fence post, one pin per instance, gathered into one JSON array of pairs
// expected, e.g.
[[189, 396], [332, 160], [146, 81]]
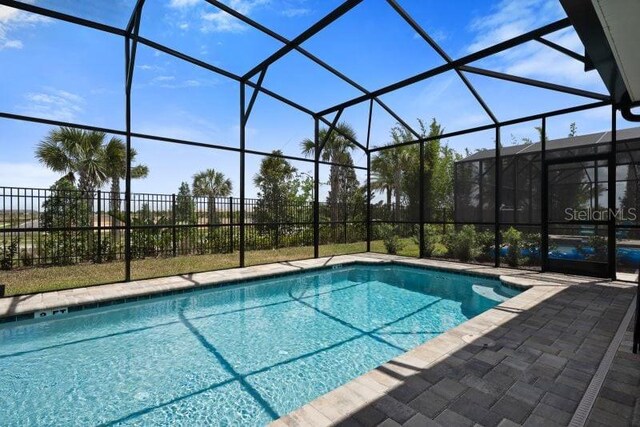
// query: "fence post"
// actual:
[[277, 221], [99, 226], [173, 226], [231, 224], [344, 223]]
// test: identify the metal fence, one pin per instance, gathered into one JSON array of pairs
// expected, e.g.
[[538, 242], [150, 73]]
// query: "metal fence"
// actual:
[[43, 227]]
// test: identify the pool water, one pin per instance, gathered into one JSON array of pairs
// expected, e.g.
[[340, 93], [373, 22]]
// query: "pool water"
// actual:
[[237, 355]]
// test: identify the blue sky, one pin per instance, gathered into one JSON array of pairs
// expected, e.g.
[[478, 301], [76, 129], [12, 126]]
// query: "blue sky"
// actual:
[[61, 71]]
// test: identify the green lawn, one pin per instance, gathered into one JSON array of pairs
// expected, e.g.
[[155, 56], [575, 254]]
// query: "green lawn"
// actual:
[[26, 281]]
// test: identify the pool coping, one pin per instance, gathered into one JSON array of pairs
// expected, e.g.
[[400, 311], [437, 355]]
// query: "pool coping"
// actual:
[[47, 304]]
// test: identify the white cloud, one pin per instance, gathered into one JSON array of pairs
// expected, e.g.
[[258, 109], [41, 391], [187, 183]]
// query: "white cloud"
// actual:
[[431, 94], [221, 22], [31, 175], [12, 19], [170, 82], [212, 19], [149, 67], [510, 18], [295, 12], [12, 44], [160, 79], [53, 104], [179, 4]]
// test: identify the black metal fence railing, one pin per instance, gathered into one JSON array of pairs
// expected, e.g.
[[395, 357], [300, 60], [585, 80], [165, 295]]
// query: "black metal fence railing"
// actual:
[[44, 227]]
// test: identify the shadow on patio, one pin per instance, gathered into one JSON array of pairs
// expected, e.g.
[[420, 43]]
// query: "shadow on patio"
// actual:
[[533, 368]]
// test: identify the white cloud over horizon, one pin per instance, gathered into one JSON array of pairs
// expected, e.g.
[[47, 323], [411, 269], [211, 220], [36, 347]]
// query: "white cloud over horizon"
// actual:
[[12, 19], [52, 103], [32, 175]]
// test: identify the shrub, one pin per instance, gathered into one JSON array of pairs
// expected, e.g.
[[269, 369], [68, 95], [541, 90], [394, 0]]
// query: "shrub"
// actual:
[[465, 243], [106, 251], [9, 251], [432, 239], [66, 210], [392, 242], [439, 250], [486, 242], [514, 241], [531, 242], [599, 246], [26, 258]]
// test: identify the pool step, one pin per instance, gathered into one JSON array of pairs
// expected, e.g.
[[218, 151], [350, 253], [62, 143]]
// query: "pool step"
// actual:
[[497, 293]]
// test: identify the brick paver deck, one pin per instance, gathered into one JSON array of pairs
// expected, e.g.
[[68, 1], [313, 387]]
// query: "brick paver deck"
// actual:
[[618, 402]]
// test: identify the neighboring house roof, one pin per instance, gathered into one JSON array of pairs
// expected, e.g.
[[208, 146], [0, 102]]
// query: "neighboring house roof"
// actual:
[[622, 136]]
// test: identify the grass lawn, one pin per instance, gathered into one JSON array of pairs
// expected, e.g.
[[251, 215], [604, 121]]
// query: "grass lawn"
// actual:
[[27, 281]]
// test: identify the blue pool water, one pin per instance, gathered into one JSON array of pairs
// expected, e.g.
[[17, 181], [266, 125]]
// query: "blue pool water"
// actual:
[[237, 355]]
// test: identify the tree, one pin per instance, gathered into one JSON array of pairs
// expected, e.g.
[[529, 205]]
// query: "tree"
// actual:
[[87, 161], [115, 164], [211, 183], [396, 170], [78, 154], [382, 174], [277, 188], [185, 208], [337, 149], [65, 210]]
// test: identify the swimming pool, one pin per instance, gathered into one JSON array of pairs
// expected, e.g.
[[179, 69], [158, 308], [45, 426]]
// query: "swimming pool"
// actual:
[[236, 355]]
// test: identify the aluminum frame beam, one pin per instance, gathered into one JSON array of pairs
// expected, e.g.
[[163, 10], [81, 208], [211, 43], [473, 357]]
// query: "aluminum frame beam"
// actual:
[[306, 35], [426, 37], [492, 50]]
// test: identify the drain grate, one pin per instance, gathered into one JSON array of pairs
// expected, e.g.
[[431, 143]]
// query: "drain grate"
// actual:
[[589, 399]]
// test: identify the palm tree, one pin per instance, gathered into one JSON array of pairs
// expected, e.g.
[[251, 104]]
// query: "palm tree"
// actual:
[[382, 174], [337, 149], [390, 165], [115, 158], [87, 161], [76, 153], [210, 183]]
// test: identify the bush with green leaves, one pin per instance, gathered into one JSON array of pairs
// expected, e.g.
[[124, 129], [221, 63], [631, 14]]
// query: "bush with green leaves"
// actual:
[[392, 242], [106, 251], [432, 238], [9, 251], [465, 246], [513, 239], [486, 241], [532, 242], [599, 246], [148, 240], [26, 258], [64, 212]]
